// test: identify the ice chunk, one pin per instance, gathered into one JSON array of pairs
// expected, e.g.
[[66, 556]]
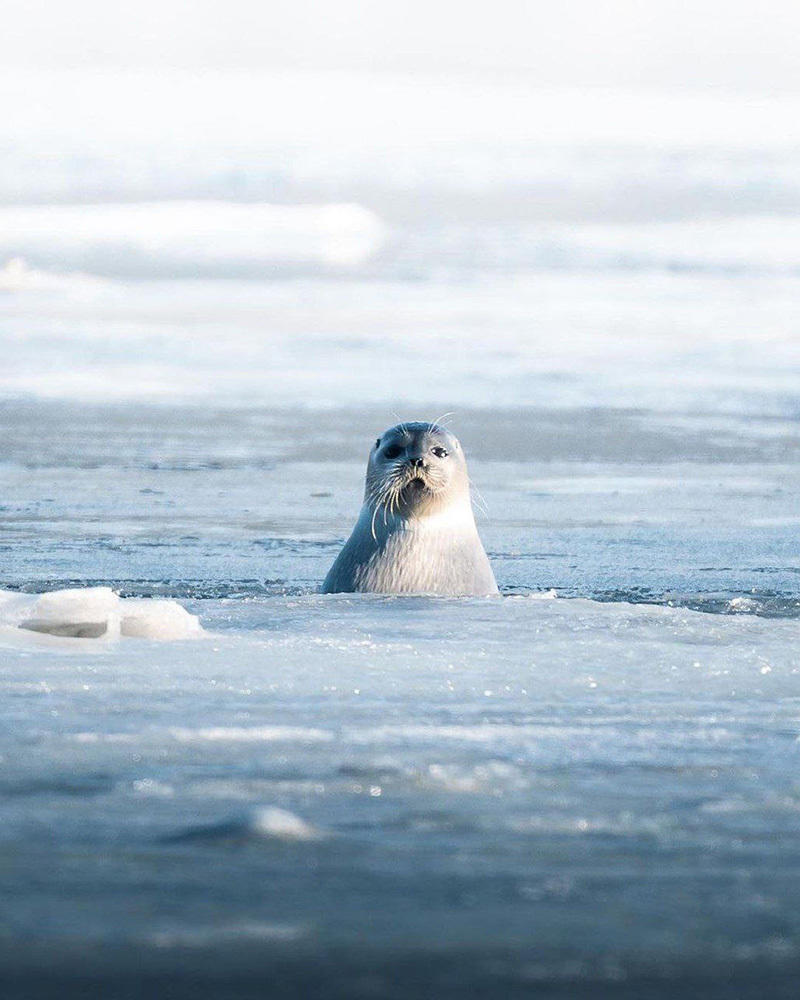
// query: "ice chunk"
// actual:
[[95, 612], [173, 237], [84, 613], [281, 824], [163, 620], [264, 823], [18, 276]]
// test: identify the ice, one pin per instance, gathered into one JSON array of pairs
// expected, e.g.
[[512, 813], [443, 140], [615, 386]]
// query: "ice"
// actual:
[[163, 620], [252, 734], [95, 612], [477, 767], [267, 822], [18, 276], [723, 346], [281, 824], [184, 238], [215, 934]]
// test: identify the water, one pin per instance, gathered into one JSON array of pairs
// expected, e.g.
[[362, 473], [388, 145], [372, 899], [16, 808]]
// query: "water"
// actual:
[[583, 788]]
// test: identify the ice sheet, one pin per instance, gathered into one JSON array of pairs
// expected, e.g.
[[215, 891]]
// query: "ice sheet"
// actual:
[[411, 773]]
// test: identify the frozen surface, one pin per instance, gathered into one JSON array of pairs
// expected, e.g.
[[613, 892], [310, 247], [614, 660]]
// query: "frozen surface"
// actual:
[[334, 791], [585, 788], [473, 780]]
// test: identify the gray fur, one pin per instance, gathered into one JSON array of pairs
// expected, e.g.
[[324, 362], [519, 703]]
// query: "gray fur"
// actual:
[[416, 532]]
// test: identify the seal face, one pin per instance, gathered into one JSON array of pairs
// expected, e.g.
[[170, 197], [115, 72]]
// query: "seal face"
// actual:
[[416, 532]]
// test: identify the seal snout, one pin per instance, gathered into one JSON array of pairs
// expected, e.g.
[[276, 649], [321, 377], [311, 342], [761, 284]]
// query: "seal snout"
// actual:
[[417, 472]]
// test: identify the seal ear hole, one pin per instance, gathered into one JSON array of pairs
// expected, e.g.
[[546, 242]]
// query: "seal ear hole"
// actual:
[[378, 443]]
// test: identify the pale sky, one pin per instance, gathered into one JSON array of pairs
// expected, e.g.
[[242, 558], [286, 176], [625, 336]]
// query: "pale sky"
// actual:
[[691, 44]]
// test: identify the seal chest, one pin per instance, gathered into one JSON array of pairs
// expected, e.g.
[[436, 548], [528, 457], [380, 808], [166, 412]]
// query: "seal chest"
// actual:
[[416, 531]]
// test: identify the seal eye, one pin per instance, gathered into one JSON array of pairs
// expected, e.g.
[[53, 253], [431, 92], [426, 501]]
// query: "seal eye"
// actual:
[[439, 452], [393, 451]]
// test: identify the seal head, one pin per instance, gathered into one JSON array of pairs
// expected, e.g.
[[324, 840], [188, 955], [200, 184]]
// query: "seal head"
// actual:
[[416, 531]]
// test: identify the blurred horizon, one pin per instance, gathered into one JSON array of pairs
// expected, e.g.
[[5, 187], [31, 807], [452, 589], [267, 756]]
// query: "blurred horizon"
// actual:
[[588, 205], [620, 44]]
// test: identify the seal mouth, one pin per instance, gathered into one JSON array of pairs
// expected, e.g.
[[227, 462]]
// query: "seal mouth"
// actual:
[[415, 489]]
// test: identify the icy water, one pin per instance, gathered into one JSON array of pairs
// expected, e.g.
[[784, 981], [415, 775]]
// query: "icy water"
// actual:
[[584, 788]]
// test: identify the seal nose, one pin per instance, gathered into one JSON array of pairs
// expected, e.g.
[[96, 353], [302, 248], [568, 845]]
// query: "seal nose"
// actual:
[[417, 463]]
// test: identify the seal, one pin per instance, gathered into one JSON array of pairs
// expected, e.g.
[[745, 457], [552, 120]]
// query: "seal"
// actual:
[[416, 532]]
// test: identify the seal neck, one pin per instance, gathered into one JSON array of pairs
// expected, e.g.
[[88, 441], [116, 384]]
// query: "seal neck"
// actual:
[[456, 516]]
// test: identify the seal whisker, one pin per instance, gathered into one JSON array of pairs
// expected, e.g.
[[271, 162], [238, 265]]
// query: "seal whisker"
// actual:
[[479, 499], [372, 523], [440, 420], [393, 495], [386, 503], [378, 499]]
